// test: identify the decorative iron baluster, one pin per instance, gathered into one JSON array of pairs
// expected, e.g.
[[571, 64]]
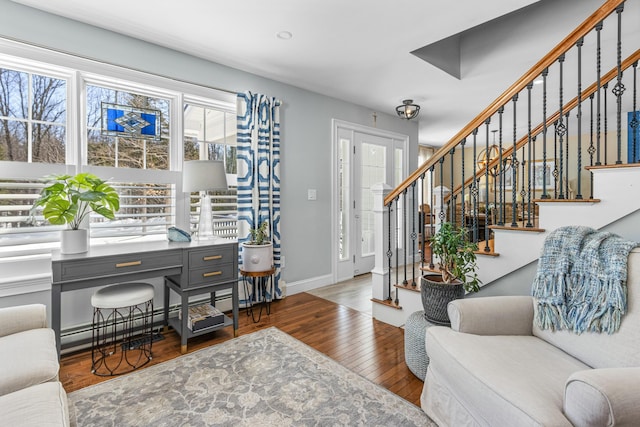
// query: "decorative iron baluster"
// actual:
[[606, 121], [486, 187], [618, 89], [561, 129], [514, 166], [423, 218], [545, 73], [452, 211], [502, 163], [462, 194], [592, 148], [566, 153], [442, 214], [555, 156], [396, 301], [413, 234], [389, 251], [529, 155], [579, 44], [404, 235], [474, 191], [523, 192], [598, 92], [431, 216], [634, 122]]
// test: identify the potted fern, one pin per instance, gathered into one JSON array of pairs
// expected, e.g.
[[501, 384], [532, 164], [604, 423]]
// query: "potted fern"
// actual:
[[257, 253], [69, 200], [457, 272]]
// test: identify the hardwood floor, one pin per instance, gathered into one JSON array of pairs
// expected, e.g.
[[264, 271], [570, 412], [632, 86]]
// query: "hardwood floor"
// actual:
[[368, 347]]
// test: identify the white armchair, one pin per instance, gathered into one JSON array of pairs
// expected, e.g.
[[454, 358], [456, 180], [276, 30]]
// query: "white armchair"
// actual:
[[494, 367]]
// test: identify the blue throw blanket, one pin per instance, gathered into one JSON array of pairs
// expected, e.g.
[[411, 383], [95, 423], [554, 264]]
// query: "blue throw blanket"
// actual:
[[581, 282]]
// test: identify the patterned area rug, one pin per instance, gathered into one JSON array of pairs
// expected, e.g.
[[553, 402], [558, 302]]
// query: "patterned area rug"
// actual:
[[266, 378]]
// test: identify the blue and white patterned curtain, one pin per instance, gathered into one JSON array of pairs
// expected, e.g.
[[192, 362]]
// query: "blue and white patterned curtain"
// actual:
[[259, 170]]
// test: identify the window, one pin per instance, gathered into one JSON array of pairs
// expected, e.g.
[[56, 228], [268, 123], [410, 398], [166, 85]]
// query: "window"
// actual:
[[52, 121], [210, 134]]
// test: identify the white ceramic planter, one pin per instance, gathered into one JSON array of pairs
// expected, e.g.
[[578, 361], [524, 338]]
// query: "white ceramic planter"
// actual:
[[257, 257], [74, 241]]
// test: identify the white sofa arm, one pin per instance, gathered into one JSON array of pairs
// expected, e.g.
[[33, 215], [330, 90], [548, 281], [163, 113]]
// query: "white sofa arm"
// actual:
[[503, 315], [603, 397], [22, 318]]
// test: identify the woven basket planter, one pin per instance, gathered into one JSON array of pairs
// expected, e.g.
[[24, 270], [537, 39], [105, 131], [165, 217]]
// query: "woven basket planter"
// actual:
[[435, 297]]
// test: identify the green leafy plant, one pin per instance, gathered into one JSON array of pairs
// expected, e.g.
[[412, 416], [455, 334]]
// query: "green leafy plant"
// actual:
[[457, 258], [260, 235], [69, 199]]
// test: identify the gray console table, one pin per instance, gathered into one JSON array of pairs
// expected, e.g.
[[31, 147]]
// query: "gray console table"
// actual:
[[194, 267]]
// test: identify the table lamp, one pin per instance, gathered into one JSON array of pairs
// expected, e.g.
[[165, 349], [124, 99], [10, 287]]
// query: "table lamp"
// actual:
[[204, 176]]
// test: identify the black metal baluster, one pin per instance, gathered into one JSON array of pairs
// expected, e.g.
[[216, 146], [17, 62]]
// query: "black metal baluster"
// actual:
[[452, 211], [579, 44], [514, 166], [396, 301], [555, 156], [523, 192], [463, 216], [389, 251], [404, 235], [606, 121], [442, 214], [423, 219], [413, 234], [592, 148], [530, 177], [561, 130], [432, 215], [545, 73], [474, 190], [618, 89], [598, 92], [566, 153], [502, 169], [634, 121], [486, 187]]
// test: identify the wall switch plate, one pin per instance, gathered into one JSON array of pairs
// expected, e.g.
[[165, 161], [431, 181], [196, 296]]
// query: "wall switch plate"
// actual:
[[312, 194]]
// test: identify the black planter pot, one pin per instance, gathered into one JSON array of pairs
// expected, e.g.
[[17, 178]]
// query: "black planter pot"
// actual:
[[435, 297]]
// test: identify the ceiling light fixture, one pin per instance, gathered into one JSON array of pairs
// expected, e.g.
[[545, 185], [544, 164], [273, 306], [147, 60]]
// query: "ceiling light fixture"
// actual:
[[284, 35], [408, 110]]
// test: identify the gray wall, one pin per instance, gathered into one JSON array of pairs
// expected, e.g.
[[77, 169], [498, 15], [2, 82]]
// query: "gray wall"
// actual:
[[306, 121]]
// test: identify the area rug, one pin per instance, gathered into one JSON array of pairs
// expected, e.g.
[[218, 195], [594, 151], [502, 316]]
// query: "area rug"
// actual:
[[266, 378]]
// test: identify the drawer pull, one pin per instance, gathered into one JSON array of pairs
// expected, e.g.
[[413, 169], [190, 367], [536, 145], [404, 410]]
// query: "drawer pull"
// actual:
[[213, 273], [128, 264], [212, 257]]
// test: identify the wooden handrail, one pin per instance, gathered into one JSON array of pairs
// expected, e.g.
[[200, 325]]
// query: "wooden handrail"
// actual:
[[583, 29], [555, 116]]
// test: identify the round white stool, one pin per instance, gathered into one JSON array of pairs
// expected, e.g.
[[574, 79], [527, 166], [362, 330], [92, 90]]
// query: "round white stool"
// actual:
[[122, 328]]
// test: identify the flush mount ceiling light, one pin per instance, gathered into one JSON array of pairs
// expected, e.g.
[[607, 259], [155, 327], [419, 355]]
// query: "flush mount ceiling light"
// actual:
[[284, 35], [408, 110]]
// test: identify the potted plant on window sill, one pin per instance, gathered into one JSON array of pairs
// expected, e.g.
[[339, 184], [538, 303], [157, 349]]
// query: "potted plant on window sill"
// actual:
[[257, 254], [457, 269], [69, 200]]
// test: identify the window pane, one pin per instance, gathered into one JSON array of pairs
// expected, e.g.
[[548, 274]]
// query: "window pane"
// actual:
[[14, 93], [214, 130], [128, 150], [13, 141], [48, 143], [49, 103], [231, 129], [191, 148]]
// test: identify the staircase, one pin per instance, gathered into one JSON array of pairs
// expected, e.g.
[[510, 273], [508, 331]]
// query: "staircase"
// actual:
[[587, 173]]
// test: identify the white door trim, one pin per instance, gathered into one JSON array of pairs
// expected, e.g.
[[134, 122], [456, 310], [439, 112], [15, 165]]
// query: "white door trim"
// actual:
[[353, 127]]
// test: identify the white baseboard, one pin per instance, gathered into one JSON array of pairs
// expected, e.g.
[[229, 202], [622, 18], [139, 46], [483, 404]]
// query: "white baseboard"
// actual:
[[308, 284], [25, 285]]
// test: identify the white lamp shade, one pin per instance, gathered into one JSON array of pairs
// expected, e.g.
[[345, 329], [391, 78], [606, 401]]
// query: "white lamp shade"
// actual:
[[203, 175]]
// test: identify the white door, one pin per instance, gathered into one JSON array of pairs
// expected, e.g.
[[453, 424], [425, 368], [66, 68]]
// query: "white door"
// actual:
[[364, 159]]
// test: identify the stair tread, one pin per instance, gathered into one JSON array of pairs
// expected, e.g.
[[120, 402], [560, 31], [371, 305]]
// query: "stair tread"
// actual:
[[519, 228], [409, 287], [387, 302], [566, 200]]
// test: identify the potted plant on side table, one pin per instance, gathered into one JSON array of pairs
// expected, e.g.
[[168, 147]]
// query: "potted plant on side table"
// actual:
[[257, 254], [457, 266], [69, 200]]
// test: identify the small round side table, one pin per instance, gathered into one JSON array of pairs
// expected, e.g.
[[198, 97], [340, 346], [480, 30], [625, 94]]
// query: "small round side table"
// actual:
[[415, 349], [261, 283]]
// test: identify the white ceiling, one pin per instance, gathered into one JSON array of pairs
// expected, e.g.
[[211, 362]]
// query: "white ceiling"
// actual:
[[355, 50]]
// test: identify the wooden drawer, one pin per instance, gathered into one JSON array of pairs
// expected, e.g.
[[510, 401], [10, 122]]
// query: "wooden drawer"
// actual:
[[212, 257], [119, 264], [212, 274]]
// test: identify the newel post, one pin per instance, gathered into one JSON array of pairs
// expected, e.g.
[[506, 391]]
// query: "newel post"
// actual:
[[380, 272]]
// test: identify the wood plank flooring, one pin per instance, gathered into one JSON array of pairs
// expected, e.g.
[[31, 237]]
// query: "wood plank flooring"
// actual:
[[368, 347]]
